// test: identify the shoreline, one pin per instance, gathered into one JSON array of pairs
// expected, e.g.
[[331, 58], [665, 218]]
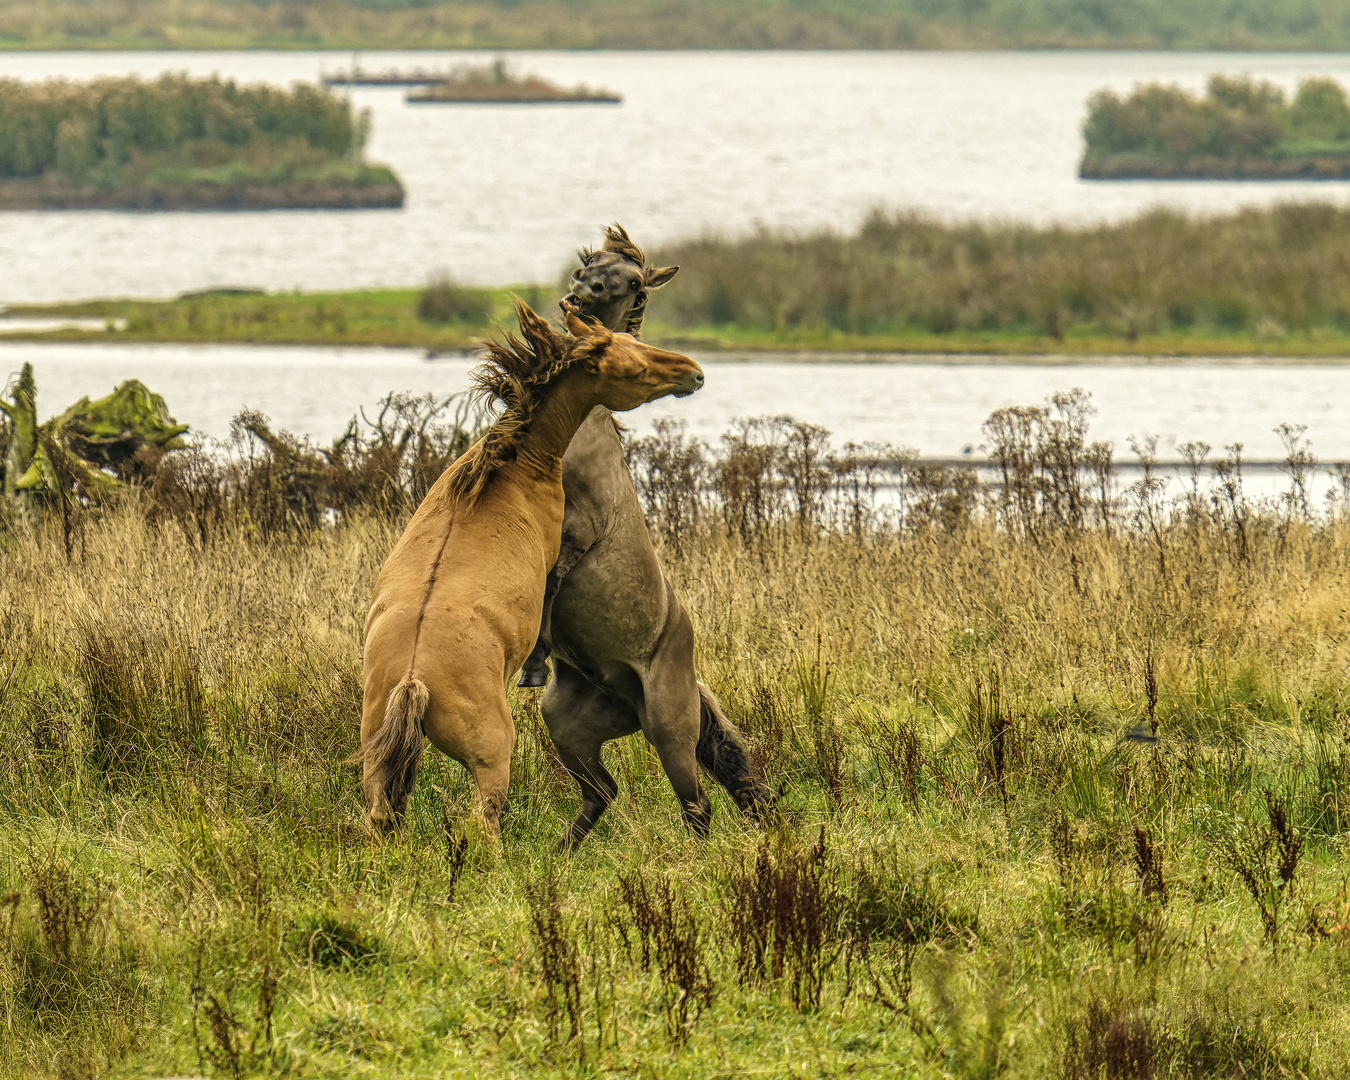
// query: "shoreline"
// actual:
[[43, 194], [1325, 167], [741, 355]]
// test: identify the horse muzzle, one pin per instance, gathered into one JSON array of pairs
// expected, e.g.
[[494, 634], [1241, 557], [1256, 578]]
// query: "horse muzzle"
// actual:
[[688, 383]]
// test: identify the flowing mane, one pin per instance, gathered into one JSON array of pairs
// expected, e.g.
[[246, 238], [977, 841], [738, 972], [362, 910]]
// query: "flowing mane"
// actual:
[[618, 241], [517, 373]]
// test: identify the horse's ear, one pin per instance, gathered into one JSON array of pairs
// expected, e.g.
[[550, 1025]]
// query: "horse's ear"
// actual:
[[657, 276], [586, 329]]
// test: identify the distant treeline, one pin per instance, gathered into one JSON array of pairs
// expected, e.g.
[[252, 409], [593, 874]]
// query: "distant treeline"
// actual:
[[175, 132], [1241, 127], [1268, 271], [678, 24]]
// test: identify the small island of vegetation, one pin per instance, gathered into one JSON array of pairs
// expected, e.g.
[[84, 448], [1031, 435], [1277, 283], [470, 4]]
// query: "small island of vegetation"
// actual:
[[184, 144], [1242, 129], [496, 84]]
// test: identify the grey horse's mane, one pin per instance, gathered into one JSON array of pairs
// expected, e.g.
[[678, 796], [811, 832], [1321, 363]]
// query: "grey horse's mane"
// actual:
[[618, 241]]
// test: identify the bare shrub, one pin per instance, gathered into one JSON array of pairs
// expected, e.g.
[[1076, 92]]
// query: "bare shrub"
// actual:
[[669, 470], [781, 911], [670, 939], [1265, 859]]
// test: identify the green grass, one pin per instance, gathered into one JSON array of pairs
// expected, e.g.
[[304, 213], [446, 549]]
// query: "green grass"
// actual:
[[185, 884]]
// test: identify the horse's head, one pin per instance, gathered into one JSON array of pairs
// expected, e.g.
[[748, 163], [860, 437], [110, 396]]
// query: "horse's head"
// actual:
[[629, 372], [612, 284]]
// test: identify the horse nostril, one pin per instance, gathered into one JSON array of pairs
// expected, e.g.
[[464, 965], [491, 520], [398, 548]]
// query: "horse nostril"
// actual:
[[698, 379]]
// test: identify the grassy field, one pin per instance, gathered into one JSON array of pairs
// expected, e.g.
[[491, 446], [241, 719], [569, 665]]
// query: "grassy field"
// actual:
[[389, 317], [1272, 282], [673, 24], [978, 872]]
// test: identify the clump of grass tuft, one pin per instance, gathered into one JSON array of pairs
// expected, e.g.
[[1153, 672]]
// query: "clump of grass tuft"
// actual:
[[1265, 859], [328, 939]]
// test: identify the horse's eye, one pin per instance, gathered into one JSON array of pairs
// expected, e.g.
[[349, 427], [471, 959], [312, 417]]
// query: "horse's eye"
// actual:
[[635, 285]]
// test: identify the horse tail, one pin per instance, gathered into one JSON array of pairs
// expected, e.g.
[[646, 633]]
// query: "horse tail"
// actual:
[[721, 750], [393, 753]]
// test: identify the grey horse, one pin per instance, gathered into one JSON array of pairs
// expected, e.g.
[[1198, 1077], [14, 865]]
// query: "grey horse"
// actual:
[[622, 643]]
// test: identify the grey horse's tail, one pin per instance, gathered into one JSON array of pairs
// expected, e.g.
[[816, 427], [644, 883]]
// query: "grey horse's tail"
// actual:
[[722, 751], [393, 753]]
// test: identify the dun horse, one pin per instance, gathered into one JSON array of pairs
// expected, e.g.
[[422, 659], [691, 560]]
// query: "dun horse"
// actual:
[[458, 602], [622, 643]]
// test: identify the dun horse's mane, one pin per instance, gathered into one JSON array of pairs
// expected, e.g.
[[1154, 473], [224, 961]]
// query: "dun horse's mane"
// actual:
[[517, 373]]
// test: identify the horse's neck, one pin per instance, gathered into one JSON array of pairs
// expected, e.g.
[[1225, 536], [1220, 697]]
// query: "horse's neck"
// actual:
[[554, 425], [595, 473], [596, 477]]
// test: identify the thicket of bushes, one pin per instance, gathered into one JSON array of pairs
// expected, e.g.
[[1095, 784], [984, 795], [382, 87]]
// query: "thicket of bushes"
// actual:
[[175, 128], [1270, 271], [1237, 116]]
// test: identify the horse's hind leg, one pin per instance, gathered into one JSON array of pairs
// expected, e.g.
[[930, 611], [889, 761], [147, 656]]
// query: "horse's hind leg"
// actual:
[[485, 750], [672, 729], [581, 717], [671, 725]]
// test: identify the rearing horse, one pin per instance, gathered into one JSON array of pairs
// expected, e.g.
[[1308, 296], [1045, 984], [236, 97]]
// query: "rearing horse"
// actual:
[[458, 602], [622, 643]]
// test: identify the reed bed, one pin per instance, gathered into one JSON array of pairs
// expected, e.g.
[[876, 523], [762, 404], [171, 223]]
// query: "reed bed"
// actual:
[[1273, 273], [1064, 794]]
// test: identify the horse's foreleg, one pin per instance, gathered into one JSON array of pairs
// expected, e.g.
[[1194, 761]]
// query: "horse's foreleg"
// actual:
[[534, 672], [581, 718]]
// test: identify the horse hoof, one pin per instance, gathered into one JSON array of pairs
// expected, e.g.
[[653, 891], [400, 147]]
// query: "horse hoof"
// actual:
[[533, 677]]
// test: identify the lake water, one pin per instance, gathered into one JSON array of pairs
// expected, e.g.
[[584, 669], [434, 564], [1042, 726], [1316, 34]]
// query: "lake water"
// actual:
[[719, 142], [935, 407]]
